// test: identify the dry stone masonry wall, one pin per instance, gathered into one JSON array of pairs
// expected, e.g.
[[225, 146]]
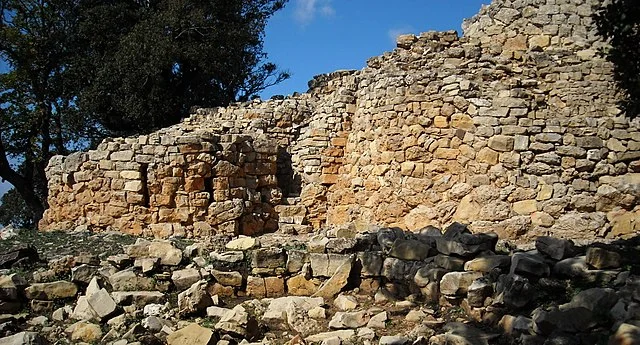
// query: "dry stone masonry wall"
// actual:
[[513, 128]]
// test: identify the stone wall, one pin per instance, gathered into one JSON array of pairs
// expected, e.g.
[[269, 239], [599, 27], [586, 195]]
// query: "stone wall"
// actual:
[[513, 128]]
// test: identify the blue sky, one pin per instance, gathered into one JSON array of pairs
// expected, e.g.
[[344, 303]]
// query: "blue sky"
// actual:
[[311, 37]]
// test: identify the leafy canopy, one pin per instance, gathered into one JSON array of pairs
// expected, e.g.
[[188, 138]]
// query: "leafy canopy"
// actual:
[[80, 70], [619, 22]]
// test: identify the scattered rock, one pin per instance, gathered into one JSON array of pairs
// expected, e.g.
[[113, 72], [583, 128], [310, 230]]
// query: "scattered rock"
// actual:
[[196, 299], [601, 258], [193, 334], [24, 338], [345, 303], [51, 291], [333, 285]]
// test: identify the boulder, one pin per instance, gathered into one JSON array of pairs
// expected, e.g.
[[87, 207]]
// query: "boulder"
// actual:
[[601, 258], [193, 334], [394, 340], [531, 264], [184, 278], [342, 320], [168, 254], [325, 265], [20, 254], [514, 291], [449, 263], [138, 298], [51, 291], [195, 299], [478, 291], [276, 313], [334, 285], [342, 334], [378, 321], [102, 303], [128, 280], [83, 331], [242, 243], [345, 303], [24, 338], [488, 263], [238, 322], [457, 283], [83, 310], [228, 278], [407, 249], [555, 248]]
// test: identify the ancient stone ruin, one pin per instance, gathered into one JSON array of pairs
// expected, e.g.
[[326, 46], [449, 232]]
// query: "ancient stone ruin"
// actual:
[[513, 128]]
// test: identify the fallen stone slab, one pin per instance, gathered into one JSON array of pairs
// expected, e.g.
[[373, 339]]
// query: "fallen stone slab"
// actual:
[[51, 291], [457, 283], [488, 263], [555, 248], [184, 278], [601, 258], [276, 312], [394, 340], [102, 303], [352, 320], [23, 253], [407, 249], [11, 287], [527, 263], [342, 334], [194, 299], [139, 298], [193, 334], [334, 285], [24, 338]]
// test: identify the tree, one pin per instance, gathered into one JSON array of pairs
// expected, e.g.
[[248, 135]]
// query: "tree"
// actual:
[[81, 70], [169, 56], [15, 212], [619, 22]]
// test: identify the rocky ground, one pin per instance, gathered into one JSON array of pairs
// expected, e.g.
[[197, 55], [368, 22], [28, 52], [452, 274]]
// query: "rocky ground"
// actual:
[[337, 287]]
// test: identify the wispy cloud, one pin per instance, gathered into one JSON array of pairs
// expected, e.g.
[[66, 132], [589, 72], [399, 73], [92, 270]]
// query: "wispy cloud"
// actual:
[[393, 33], [307, 10]]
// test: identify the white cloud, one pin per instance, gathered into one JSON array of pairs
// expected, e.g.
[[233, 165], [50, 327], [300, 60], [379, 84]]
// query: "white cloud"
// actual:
[[307, 10], [393, 33]]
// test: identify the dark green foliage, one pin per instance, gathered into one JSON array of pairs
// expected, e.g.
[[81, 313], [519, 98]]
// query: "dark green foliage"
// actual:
[[81, 70], [619, 22], [169, 56], [14, 211]]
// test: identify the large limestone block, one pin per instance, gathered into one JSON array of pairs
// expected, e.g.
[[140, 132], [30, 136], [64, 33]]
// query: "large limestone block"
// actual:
[[102, 303], [194, 299], [193, 334], [51, 291], [334, 285], [138, 298], [184, 278], [457, 283], [24, 338]]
